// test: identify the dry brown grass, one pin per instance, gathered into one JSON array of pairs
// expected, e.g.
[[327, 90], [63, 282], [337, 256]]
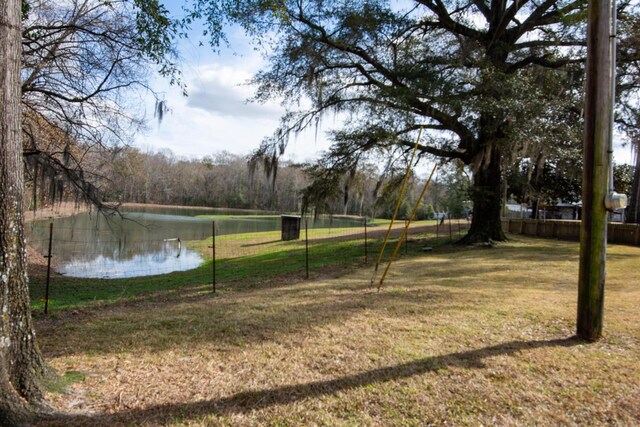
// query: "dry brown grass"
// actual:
[[464, 336]]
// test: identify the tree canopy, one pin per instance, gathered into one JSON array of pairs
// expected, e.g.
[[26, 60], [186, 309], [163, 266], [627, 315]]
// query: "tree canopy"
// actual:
[[486, 80], [83, 61]]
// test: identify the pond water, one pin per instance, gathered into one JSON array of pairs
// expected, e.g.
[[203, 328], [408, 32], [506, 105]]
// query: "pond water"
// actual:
[[146, 241]]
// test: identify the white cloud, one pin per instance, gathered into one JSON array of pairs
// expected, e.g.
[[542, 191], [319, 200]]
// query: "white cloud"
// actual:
[[226, 91], [216, 116]]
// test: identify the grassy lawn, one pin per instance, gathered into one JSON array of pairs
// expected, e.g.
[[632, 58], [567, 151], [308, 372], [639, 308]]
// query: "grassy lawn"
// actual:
[[456, 336]]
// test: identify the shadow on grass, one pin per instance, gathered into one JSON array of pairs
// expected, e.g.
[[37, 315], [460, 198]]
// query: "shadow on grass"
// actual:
[[248, 401], [248, 245], [236, 320]]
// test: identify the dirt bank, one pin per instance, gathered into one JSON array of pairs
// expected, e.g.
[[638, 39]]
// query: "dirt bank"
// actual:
[[58, 210]]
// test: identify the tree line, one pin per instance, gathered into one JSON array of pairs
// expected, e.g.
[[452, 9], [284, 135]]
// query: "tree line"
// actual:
[[233, 181], [465, 92], [132, 175]]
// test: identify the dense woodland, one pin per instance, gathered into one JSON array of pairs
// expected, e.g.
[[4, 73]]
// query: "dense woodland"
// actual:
[[130, 175]]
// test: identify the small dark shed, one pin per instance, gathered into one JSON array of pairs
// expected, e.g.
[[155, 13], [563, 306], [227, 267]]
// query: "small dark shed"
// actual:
[[290, 227]]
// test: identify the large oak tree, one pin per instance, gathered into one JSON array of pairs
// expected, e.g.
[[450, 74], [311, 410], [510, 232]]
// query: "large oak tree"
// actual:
[[477, 75]]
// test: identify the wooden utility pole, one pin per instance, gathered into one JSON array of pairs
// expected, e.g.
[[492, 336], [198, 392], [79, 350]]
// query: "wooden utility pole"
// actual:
[[593, 231]]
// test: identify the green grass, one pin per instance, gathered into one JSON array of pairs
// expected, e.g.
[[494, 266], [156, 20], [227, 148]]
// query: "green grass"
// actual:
[[61, 383], [69, 292]]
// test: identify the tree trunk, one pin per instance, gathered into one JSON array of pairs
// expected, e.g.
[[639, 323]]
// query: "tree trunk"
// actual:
[[535, 206], [21, 364], [486, 225]]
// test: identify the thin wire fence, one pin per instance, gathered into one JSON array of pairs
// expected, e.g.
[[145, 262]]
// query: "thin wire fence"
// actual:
[[254, 257]]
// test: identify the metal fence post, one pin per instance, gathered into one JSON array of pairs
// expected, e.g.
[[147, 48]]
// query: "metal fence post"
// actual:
[[213, 250], [306, 244], [366, 249], [46, 294], [406, 238]]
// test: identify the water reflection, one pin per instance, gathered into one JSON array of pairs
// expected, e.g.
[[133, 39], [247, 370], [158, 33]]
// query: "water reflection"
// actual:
[[164, 261], [143, 243]]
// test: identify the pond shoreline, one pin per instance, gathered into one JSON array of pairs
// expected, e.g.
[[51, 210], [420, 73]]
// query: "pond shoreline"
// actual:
[[237, 221], [187, 207], [57, 210], [36, 261]]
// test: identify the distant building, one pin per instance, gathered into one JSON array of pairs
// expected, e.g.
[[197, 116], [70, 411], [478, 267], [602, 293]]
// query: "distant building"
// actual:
[[516, 211], [561, 211]]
